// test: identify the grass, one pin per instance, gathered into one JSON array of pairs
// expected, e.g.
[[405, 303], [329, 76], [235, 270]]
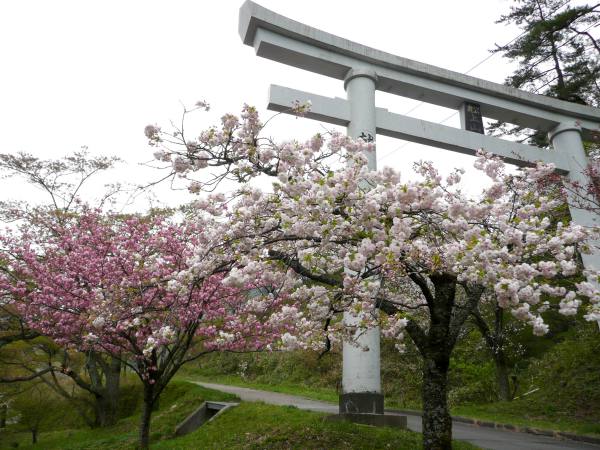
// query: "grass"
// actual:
[[286, 427], [567, 396], [302, 390], [247, 426], [518, 412], [529, 414], [316, 393], [178, 401]]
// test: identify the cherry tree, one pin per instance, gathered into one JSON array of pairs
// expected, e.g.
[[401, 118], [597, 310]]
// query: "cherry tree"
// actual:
[[123, 286], [420, 249], [60, 184]]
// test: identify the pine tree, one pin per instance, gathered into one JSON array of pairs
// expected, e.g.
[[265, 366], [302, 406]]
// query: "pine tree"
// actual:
[[558, 55]]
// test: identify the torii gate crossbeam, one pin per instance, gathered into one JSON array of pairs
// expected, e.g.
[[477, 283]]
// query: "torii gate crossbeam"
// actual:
[[281, 39], [337, 111]]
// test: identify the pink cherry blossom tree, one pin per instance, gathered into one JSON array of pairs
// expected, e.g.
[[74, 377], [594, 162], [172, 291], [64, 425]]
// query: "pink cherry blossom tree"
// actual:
[[420, 249], [123, 286], [61, 183]]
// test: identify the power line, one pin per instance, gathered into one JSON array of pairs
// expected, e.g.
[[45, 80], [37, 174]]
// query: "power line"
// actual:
[[418, 105]]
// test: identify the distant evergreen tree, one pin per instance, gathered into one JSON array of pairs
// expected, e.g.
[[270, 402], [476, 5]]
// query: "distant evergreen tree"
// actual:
[[558, 55]]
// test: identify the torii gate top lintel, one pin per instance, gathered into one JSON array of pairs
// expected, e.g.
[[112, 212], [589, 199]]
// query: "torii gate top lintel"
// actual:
[[279, 38]]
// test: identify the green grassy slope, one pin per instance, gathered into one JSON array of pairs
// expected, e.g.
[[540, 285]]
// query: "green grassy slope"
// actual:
[[178, 400], [247, 426], [564, 377], [260, 426]]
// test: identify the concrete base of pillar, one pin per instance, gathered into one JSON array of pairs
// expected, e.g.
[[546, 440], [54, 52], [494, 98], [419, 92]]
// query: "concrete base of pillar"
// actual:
[[376, 420], [361, 403]]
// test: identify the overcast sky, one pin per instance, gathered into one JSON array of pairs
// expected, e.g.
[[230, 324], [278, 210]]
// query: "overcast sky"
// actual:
[[89, 73]]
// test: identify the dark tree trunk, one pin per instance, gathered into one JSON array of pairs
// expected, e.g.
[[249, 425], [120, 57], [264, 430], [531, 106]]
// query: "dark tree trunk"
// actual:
[[3, 414], [34, 435], [500, 360], [99, 411], [105, 379], [146, 416], [435, 346], [112, 386], [502, 370], [437, 423], [495, 342]]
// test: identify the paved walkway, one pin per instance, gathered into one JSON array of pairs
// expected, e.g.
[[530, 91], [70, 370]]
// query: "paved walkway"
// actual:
[[487, 438]]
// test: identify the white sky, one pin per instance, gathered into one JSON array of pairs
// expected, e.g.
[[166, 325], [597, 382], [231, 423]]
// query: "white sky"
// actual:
[[76, 73]]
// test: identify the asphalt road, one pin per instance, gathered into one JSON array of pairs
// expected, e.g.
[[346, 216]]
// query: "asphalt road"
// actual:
[[487, 438]]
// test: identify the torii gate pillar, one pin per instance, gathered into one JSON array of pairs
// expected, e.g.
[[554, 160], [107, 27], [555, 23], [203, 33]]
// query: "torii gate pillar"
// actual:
[[566, 138], [361, 372], [360, 88]]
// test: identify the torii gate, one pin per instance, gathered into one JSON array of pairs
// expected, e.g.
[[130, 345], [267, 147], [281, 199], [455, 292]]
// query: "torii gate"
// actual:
[[365, 70]]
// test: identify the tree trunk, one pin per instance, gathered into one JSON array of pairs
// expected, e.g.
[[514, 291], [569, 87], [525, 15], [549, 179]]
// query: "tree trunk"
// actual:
[[502, 376], [440, 341], [146, 416], [437, 423], [435, 346], [106, 380], [99, 411], [3, 414], [112, 386], [105, 409], [34, 435], [495, 342]]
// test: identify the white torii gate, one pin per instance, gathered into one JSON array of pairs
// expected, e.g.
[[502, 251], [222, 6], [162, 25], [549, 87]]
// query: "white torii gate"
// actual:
[[365, 70]]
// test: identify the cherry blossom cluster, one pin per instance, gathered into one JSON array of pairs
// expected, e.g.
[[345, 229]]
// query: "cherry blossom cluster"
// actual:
[[346, 239], [241, 152], [122, 285]]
